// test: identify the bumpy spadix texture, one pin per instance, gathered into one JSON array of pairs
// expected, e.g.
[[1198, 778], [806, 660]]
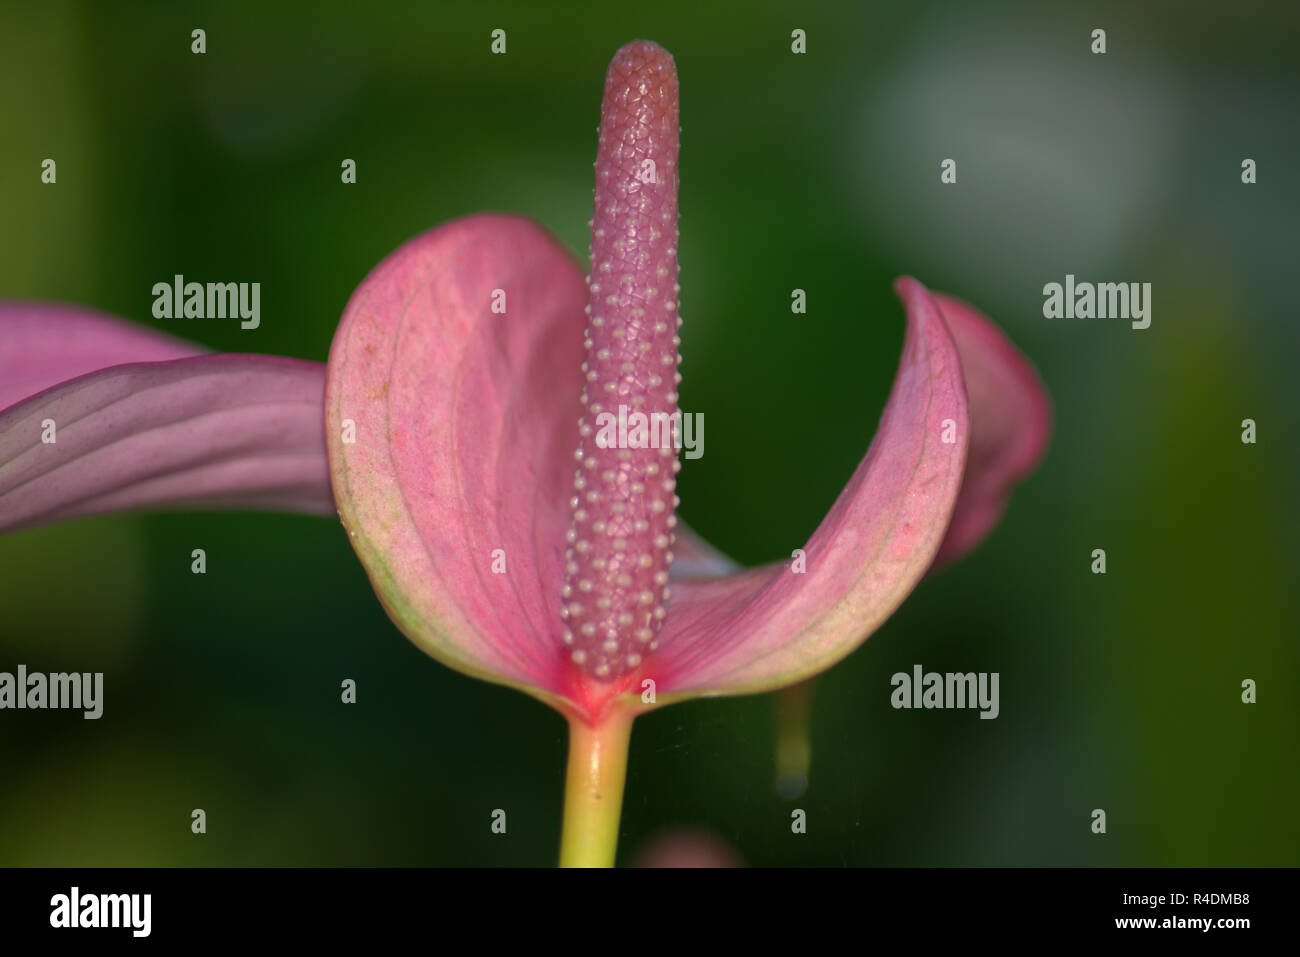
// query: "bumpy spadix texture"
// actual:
[[619, 544]]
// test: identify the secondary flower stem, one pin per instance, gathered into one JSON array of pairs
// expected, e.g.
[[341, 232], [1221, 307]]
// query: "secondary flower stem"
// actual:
[[593, 791], [793, 738]]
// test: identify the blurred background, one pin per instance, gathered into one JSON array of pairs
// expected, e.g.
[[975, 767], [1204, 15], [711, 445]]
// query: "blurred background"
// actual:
[[816, 171]]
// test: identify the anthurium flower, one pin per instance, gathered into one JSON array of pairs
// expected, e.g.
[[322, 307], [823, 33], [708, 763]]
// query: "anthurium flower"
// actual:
[[464, 404]]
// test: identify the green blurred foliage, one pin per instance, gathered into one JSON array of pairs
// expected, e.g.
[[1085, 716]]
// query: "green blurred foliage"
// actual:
[[816, 172]]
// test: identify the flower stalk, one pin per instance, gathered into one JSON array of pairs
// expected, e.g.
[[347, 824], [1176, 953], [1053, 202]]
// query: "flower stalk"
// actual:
[[593, 790]]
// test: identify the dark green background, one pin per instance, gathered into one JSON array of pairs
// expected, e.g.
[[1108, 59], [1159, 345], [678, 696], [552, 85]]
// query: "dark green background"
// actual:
[[819, 172]]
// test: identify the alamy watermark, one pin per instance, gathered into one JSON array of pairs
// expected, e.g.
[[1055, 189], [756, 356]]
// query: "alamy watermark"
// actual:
[[654, 430], [1103, 300], [952, 690], [179, 299], [75, 909], [76, 690]]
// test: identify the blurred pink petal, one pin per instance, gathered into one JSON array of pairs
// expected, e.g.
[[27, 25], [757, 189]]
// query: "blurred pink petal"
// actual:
[[688, 847], [1011, 420], [43, 344], [222, 431]]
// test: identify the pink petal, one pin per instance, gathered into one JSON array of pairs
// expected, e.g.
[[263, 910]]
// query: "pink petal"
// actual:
[[465, 433], [768, 627], [227, 431], [1011, 420], [42, 344]]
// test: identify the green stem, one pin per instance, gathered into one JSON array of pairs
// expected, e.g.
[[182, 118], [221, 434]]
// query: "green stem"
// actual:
[[794, 738], [593, 791]]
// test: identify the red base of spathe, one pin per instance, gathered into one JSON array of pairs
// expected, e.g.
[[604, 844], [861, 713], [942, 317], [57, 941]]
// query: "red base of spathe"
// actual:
[[593, 702]]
